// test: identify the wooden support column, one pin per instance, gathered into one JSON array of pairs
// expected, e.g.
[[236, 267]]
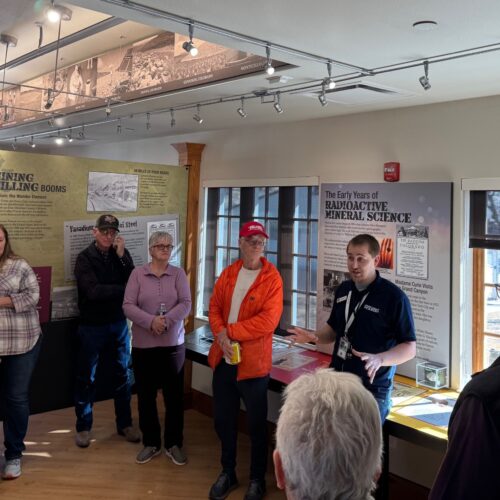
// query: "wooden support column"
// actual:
[[190, 158]]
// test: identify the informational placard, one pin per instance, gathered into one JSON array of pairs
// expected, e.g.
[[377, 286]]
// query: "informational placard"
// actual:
[[134, 230], [412, 223], [170, 226]]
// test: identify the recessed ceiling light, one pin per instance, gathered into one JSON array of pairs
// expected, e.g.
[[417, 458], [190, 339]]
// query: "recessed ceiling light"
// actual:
[[425, 25]]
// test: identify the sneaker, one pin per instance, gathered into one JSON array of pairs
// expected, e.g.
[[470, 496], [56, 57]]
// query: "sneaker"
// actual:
[[82, 439], [223, 486], [177, 455], [256, 490], [146, 454], [12, 469], [131, 434]]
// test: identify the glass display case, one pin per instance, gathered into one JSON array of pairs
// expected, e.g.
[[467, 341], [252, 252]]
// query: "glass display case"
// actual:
[[432, 375]]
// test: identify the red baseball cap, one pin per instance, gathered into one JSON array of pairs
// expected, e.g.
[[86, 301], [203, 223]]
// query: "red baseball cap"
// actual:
[[251, 228]]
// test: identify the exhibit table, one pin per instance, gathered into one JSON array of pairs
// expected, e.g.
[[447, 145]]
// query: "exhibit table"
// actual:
[[418, 415]]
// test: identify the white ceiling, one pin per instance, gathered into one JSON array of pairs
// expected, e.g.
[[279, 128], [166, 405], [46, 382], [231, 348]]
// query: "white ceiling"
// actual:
[[366, 33]]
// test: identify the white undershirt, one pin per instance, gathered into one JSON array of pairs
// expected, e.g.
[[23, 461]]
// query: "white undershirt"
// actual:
[[245, 279]]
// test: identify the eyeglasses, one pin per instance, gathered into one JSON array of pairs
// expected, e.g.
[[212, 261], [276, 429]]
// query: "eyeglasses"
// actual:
[[255, 243], [162, 248], [108, 232]]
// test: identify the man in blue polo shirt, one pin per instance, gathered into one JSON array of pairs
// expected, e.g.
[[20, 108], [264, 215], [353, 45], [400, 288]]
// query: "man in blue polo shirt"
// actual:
[[371, 323]]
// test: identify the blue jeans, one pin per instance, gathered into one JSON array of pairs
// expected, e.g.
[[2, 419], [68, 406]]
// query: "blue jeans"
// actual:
[[93, 340], [384, 402], [227, 392], [15, 377]]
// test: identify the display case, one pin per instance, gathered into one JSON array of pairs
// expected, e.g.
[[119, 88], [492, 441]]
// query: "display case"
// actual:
[[432, 375]]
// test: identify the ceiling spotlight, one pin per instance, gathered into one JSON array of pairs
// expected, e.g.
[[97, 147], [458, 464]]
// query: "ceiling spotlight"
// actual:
[[172, 118], [59, 140], [329, 81], [424, 80], [69, 135], [32, 143], [58, 13], [50, 99], [277, 104], [269, 62], [190, 46], [241, 110], [322, 96], [148, 123], [108, 107], [119, 126], [196, 116]]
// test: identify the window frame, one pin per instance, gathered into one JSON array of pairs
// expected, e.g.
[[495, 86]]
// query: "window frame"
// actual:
[[308, 293], [230, 217], [480, 242], [266, 218], [208, 256], [479, 332]]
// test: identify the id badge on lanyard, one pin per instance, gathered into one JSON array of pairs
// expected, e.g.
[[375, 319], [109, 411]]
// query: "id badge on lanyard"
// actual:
[[344, 350]]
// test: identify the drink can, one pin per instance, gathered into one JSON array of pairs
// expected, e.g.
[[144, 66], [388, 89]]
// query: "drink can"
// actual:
[[236, 354]]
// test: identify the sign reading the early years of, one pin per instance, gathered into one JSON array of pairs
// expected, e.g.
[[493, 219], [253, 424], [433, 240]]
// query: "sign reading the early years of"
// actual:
[[412, 223]]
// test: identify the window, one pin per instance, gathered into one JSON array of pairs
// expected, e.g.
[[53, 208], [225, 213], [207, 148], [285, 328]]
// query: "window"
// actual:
[[292, 248], [305, 257], [485, 235], [266, 201], [486, 315], [228, 224]]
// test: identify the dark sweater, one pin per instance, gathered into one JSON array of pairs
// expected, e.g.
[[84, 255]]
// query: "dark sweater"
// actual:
[[470, 469], [101, 285]]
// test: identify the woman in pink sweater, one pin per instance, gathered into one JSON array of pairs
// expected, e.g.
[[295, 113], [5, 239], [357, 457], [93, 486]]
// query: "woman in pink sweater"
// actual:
[[157, 299]]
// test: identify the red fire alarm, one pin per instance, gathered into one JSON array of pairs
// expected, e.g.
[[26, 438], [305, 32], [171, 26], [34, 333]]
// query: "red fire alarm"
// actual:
[[391, 171]]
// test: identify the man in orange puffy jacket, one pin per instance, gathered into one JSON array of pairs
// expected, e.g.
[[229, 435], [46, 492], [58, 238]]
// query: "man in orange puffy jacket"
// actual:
[[245, 307]]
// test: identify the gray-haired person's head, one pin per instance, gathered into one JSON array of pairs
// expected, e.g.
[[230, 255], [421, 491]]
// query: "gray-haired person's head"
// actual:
[[158, 236], [328, 438]]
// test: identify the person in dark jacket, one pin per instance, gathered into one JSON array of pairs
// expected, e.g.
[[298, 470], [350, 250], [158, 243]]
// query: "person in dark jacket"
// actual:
[[101, 272], [471, 464]]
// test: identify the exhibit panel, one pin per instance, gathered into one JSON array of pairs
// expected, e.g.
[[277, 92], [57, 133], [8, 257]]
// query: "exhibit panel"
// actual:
[[412, 223]]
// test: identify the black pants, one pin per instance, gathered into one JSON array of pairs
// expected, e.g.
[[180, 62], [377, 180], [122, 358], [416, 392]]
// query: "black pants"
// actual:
[[227, 392], [155, 368]]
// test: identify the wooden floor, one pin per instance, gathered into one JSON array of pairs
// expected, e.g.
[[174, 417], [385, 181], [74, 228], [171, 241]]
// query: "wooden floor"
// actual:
[[54, 467]]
